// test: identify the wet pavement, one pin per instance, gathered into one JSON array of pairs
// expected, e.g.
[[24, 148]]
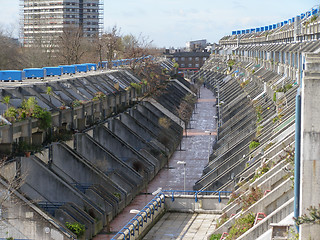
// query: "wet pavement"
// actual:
[[196, 146]]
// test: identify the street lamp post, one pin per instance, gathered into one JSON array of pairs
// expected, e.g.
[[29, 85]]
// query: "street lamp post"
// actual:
[[184, 173], [209, 143]]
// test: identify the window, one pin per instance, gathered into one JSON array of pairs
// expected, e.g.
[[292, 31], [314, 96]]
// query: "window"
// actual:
[[190, 58], [190, 65], [204, 58], [176, 58], [182, 58], [197, 65], [182, 65], [197, 58]]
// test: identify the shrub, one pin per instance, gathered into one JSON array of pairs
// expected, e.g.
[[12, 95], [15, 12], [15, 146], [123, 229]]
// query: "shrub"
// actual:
[[262, 170], [254, 144], [314, 217], [223, 218], [241, 225], [137, 87], [76, 228], [215, 236], [244, 83], [11, 114], [249, 199]]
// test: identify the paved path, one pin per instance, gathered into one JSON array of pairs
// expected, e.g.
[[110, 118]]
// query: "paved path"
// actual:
[[183, 226], [195, 152]]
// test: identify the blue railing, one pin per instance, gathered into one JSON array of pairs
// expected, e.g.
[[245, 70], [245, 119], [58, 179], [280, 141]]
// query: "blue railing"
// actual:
[[161, 197], [307, 14]]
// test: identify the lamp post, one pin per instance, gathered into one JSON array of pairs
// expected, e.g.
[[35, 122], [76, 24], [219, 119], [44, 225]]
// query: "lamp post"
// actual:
[[209, 143], [184, 173]]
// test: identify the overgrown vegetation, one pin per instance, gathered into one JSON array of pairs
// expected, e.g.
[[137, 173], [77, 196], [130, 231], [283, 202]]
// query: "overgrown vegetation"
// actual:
[[242, 224], [77, 228], [231, 63], [29, 108], [254, 144], [246, 200], [313, 217], [244, 83], [289, 158], [260, 171], [223, 218], [215, 236]]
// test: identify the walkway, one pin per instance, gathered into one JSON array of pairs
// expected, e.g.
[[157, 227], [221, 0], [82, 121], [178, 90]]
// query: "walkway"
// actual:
[[184, 226], [195, 152]]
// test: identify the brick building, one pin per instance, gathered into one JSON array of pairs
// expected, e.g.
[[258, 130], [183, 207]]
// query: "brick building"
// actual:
[[188, 61]]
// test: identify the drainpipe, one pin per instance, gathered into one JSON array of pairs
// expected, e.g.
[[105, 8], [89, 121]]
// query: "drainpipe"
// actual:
[[297, 156]]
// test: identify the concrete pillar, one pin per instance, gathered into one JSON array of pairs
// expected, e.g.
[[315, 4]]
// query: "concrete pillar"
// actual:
[[310, 144]]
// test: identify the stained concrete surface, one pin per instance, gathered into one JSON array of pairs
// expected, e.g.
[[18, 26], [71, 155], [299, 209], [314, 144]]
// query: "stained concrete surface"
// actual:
[[183, 226], [196, 145]]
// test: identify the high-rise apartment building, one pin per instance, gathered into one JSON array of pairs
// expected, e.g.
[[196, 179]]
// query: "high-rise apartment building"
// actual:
[[44, 20]]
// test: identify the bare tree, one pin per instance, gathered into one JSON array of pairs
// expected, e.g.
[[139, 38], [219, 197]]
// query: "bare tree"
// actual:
[[110, 44], [71, 45], [10, 54], [135, 47]]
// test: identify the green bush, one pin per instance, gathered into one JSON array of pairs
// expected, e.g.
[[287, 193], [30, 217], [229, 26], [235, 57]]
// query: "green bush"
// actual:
[[241, 225], [254, 144], [77, 228], [215, 236]]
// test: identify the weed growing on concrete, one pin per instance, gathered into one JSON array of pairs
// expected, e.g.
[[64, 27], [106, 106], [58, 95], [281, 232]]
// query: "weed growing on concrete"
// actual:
[[223, 218], [289, 158], [312, 218], [241, 225], [249, 199], [215, 236], [244, 83], [254, 144], [269, 145], [233, 196], [260, 171], [259, 113], [76, 228]]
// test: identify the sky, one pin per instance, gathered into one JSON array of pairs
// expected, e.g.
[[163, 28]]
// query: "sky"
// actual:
[[172, 23]]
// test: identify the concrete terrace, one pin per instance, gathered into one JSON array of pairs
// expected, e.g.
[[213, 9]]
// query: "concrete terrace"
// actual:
[[195, 146]]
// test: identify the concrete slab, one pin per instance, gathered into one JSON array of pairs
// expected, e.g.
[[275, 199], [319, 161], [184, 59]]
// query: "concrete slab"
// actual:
[[182, 226]]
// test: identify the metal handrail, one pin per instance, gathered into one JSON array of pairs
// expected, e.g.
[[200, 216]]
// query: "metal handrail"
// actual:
[[195, 193], [161, 197]]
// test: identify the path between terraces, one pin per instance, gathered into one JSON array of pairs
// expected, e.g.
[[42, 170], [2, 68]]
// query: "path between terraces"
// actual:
[[196, 146]]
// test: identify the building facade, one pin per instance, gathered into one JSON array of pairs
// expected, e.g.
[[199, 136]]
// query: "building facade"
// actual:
[[189, 61], [198, 45], [44, 20]]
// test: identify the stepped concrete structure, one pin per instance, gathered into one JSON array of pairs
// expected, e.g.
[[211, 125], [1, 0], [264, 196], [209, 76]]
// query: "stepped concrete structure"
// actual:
[[116, 146], [263, 167], [258, 79]]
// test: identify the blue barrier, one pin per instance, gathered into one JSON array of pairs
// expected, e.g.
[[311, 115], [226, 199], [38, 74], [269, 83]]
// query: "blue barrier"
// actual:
[[12, 75], [35, 72], [53, 71], [68, 69], [91, 66], [82, 67], [307, 14], [19, 75]]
